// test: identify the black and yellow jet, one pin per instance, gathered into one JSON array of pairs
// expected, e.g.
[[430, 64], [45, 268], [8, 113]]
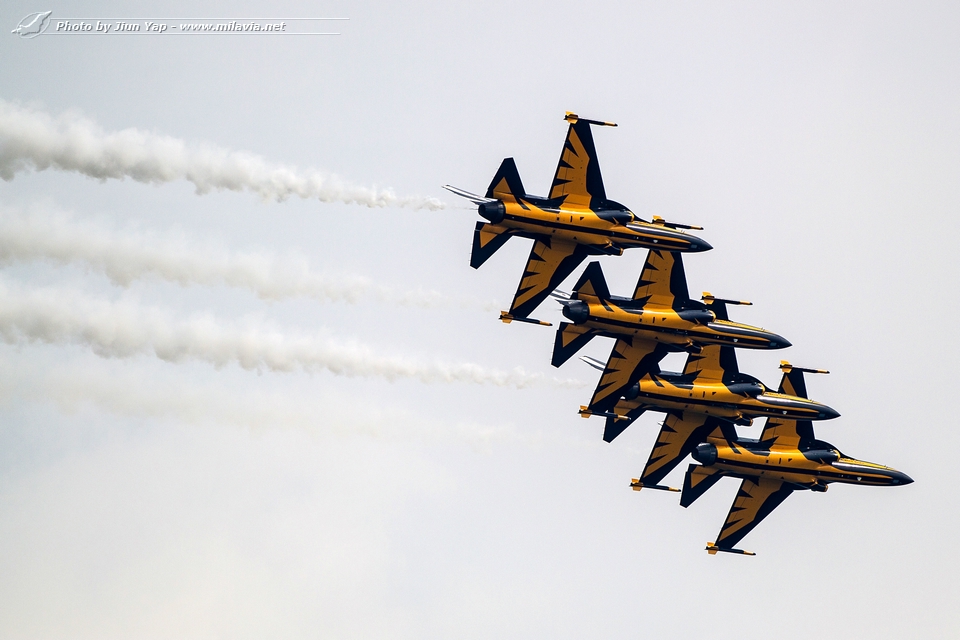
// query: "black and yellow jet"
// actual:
[[660, 317], [575, 221], [711, 386], [684, 429], [786, 458]]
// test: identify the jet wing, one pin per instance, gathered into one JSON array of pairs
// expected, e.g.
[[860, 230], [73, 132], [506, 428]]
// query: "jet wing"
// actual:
[[756, 498], [712, 363], [662, 281], [630, 360], [679, 435], [578, 180], [550, 262], [787, 434]]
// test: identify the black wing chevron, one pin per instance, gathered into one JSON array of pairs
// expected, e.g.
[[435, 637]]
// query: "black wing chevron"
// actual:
[[662, 282], [756, 499], [578, 180], [550, 262], [630, 360], [679, 435]]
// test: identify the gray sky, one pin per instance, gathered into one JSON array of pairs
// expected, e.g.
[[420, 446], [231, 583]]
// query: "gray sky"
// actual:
[[172, 464]]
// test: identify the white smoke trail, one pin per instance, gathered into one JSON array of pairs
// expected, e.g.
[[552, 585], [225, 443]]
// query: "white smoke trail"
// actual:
[[127, 256], [123, 330], [30, 138], [76, 387]]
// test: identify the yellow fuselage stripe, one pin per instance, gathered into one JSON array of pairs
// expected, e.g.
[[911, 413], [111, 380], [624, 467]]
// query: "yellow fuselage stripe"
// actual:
[[665, 325], [586, 227], [715, 399], [792, 466]]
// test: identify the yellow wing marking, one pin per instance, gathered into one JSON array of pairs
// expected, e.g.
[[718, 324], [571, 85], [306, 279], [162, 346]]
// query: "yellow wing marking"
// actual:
[[547, 266], [502, 191], [654, 282], [628, 354], [572, 179], [781, 434], [756, 498], [571, 332], [712, 363], [673, 444], [490, 232]]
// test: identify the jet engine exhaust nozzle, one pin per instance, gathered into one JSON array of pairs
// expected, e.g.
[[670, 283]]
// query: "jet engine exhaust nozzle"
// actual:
[[577, 311], [705, 454], [493, 211]]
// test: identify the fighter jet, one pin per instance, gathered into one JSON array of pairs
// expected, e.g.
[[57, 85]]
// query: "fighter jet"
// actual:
[[786, 458], [711, 385], [660, 317], [684, 429], [575, 221]]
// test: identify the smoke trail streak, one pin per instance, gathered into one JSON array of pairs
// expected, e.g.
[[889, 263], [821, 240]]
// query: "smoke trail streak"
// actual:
[[73, 388], [123, 330], [30, 138], [129, 256]]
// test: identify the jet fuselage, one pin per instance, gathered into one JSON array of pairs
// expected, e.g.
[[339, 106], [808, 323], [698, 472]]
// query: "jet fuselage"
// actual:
[[684, 329], [813, 469], [605, 231], [739, 401]]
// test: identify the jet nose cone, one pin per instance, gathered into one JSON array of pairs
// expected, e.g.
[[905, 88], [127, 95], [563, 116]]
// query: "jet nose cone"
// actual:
[[697, 245], [901, 478], [827, 413], [779, 342]]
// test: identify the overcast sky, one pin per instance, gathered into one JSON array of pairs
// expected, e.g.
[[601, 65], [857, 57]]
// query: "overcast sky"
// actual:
[[224, 415]]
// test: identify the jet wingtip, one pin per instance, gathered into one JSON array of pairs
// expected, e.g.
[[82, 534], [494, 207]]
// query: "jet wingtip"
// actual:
[[712, 549]]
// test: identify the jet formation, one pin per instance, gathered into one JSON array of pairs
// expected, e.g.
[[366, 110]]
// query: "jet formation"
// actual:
[[704, 403]]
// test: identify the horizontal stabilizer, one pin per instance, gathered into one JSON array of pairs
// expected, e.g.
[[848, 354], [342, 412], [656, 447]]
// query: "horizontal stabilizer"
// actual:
[[487, 238], [696, 482], [617, 424], [570, 339]]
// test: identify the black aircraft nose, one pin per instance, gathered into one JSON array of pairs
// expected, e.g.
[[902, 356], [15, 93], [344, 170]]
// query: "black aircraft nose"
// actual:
[[898, 478], [779, 342], [699, 245], [826, 413]]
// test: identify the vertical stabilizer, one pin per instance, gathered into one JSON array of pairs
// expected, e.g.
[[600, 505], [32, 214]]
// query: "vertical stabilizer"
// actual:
[[592, 284], [506, 184]]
